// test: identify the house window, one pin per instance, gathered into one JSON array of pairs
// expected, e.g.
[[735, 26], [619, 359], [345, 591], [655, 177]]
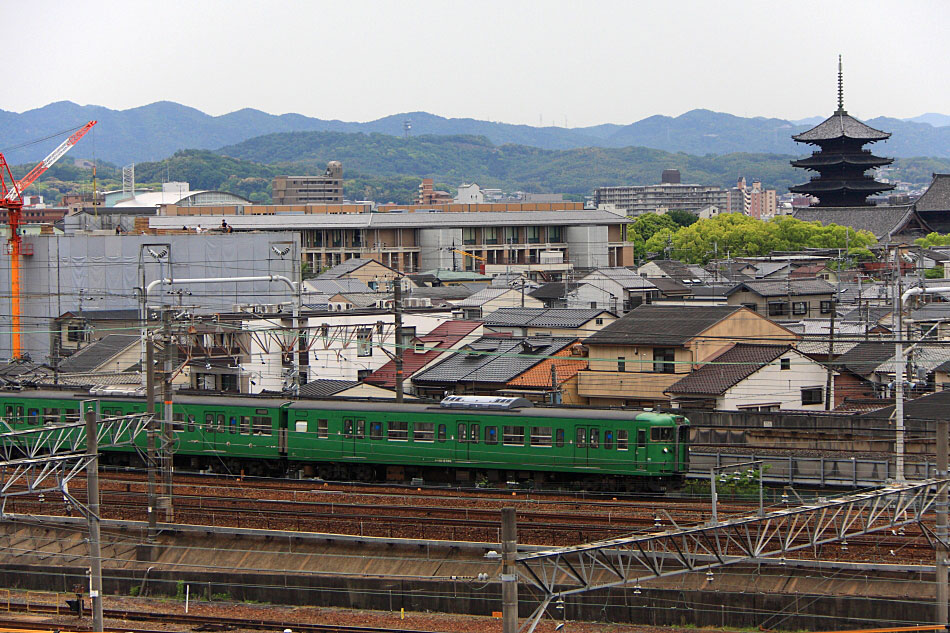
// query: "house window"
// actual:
[[597, 321], [664, 360], [364, 341], [778, 308], [826, 307], [752, 306], [229, 382], [800, 307], [76, 333], [621, 364], [813, 395], [786, 363]]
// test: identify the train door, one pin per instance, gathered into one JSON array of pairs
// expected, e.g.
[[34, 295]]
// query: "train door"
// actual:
[[641, 449], [586, 445], [354, 432], [461, 440], [214, 430]]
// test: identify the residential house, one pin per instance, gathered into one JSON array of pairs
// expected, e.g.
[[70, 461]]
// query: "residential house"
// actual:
[[635, 359], [784, 300], [486, 301], [558, 294], [821, 271], [74, 329], [553, 380], [487, 366], [112, 354], [625, 285], [547, 321], [321, 388], [376, 275], [753, 378], [427, 350], [669, 269]]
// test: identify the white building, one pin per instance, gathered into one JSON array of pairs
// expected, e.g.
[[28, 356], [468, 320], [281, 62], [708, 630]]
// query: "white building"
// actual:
[[470, 194]]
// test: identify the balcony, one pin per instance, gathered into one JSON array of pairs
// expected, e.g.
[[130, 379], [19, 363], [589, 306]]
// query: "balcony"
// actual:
[[627, 385]]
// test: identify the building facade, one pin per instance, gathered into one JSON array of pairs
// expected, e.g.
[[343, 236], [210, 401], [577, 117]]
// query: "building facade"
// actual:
[[637, 200], [325, 189]]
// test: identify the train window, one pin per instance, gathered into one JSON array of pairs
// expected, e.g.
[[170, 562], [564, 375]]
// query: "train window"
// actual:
[[399, 431], [512, 435], [72, 415], [475, 434], [33, 416], [50, 416], [581, 437], [541, 436], [8, 412], [621, 440], [361, 429], [347, 428], [300, 426], [178, 422], [191, 423], [559, 438], [491, 434], [233, 425], [375, 430], [462, 432], [595, 438], [262, 425], [245, 425], [442, 433], [19, 414], [220, 421], [209, 422], [423, 431], [323, 429], [641, 438], [661, 434], [608, 439]]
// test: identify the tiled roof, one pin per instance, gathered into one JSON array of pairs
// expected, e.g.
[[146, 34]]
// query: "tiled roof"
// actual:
[[764, 269], [496, 360], [882, 221], [334, 286], [809, 270], [344, 268], [566, 367], [933, 406], [627, 278], [366, 299], [95, 354], [323, 387], [864, 358], [553, 290], [542, 317], [841, 124], [728, 369], [117, 314], [661, 325], [932, 312], [443, 337], [669, 286], [483, 296], [785, 287], [937, 196]]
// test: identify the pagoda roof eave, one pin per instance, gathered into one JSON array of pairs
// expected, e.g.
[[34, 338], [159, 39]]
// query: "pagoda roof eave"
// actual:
[[841, 125], [816, 188], [841, 159]]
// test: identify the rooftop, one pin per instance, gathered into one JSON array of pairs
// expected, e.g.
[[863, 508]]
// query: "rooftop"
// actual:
[[841, 125], [95, 354], [442, 338], [882, 221], [543, 317], [493, 360], [728, 369], [785, 287], [661, 325]]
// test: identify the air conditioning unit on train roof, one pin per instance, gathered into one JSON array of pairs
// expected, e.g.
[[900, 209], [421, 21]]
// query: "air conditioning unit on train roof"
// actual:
[[497, 403]]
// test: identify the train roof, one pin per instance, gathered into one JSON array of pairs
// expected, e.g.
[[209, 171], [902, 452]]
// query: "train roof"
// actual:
[[353, 405]]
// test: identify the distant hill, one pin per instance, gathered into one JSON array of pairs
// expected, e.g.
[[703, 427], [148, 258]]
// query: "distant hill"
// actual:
[[932, 118], [157, 130]]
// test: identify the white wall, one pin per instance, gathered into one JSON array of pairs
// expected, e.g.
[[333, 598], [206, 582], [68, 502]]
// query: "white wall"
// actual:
[[774, 385]]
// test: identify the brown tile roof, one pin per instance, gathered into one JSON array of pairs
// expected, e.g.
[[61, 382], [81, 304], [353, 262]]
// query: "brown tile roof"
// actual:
[[728, 369], [540, 375]]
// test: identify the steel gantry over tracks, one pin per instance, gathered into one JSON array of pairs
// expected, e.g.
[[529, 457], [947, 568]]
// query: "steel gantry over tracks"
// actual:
[[566, 571]]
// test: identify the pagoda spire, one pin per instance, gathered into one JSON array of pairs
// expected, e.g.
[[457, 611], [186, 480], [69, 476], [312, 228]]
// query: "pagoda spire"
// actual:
[[840, 87]]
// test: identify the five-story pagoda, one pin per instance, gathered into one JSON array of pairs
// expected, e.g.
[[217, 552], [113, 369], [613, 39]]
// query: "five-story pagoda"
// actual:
[[841, 161]]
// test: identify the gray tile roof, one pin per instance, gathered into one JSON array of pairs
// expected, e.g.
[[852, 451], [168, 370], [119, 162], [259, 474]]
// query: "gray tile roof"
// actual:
[[334, 286], [932, 312], [883, 221], [496, 360], [323, 388], [838, 125], [454, 292], [627, 278], [937, 196], [661, 325], [542, 317], [553, 290], [864, 358], [784, 287], [344, 268], [728, 369], [95, 354], [483, 296], [105, 314]]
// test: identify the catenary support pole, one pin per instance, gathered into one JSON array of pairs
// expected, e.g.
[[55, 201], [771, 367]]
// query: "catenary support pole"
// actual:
[[92, 490], [397, 318], [151, 454], [167, 432], [509, 578], [941, 528]]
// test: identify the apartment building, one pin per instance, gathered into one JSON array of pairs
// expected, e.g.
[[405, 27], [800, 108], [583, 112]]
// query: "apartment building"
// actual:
[[325, 189]]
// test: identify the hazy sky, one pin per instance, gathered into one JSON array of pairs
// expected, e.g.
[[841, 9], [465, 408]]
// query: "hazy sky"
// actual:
[[583, 62]]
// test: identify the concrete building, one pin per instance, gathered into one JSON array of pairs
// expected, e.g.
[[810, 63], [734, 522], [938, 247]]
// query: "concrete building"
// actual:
[[667, 196], [429, 195], [469, 194], [412, 242], [325, 189]]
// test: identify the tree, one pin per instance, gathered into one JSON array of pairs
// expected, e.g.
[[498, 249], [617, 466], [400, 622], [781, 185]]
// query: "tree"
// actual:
[[683, 218], [933, 239]]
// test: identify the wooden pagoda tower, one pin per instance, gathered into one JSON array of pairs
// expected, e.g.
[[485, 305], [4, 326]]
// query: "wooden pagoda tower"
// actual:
[[841, 160]]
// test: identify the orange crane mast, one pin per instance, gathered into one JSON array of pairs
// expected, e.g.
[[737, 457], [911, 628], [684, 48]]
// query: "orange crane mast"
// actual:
[[11, 199]]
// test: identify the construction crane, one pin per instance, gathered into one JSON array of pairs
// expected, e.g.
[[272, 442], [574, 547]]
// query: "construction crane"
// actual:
[[473, 256], [11, 199]]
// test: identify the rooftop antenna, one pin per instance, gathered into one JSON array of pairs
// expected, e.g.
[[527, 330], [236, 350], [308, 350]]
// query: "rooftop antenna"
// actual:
[[407, 127], [840, 87]]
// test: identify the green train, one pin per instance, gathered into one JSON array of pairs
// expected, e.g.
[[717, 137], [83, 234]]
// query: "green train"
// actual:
[[463, 439]]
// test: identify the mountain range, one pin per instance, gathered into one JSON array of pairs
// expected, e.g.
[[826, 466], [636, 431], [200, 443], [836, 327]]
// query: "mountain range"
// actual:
[[155, 131]]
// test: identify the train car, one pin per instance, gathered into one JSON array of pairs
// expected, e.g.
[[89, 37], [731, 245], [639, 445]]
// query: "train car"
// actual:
[[465, 439]]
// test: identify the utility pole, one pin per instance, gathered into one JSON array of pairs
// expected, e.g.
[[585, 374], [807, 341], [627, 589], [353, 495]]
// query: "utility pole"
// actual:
[[167, 429], [831, 354], [151, 455], [899, 373], [92, 491], [397, 319], [943, 568], [509, 578]]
